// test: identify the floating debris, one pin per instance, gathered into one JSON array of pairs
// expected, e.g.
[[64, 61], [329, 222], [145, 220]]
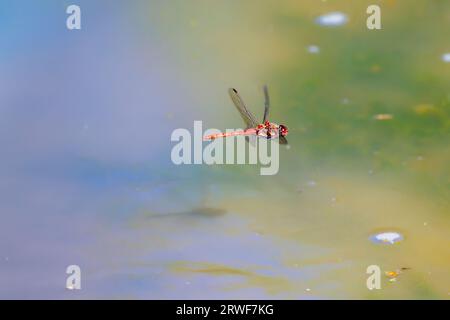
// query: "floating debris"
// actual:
[[424, 109], [392, 275], [193, 23], [345, 101], [446, 57], [332, 19], [313, 49], [383, 116], [375, 68], [311, 183], [386, 237]]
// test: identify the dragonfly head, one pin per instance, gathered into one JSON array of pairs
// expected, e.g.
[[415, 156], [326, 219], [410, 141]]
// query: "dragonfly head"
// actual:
[[283, 130]]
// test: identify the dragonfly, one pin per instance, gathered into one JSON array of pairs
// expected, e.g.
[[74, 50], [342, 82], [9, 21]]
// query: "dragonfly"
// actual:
[[265, 129]]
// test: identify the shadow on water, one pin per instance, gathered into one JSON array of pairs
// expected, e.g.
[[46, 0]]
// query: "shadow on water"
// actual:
[[204, 212]]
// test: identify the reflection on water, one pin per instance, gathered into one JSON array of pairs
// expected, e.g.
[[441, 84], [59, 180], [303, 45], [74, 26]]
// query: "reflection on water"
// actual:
[[389, 237], [332, 19], [313, 244], [239, 279], [446, 57], [89, 181]]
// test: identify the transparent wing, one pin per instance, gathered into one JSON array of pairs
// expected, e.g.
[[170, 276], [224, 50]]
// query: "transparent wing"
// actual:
[[246, 115], [282, 140], [266, 103]]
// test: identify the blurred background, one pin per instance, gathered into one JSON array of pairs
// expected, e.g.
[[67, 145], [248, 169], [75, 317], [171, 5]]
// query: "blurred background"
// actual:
[[86, 176]]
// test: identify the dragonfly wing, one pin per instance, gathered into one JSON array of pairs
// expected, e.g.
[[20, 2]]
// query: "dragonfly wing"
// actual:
[[266, 103], [282, 140], [246, 115]]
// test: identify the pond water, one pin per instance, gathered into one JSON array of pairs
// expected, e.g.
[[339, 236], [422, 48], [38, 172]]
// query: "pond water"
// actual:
[[85, 124]]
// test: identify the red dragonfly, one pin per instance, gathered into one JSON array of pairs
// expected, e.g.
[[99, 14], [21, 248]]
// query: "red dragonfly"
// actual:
[[266, 129]]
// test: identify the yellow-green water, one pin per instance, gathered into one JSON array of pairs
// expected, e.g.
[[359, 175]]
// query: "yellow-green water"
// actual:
[[347, 174]]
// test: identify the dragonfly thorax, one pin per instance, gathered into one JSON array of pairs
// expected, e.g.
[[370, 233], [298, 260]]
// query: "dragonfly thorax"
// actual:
[[269, 130]]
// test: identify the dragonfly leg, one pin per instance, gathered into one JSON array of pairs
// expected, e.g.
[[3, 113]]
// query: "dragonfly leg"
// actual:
[[268, 128], [258, 128]]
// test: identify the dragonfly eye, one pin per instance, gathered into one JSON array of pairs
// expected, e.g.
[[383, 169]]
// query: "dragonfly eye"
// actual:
[[283, 130]]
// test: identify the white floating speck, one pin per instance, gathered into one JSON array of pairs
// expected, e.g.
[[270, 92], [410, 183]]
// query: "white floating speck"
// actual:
[[311, 183], [446, 57], [332, 19], [386, 237], [308, 289], [383, 116], [313, 49]]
